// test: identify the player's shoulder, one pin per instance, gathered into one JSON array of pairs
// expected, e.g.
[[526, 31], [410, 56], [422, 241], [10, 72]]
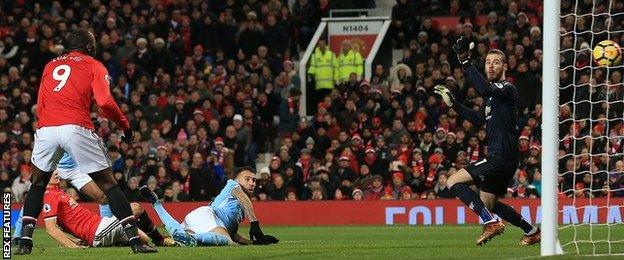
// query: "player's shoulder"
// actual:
[[231, 183]]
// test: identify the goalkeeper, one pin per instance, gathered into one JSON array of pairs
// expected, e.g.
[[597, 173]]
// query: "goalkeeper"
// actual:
[[217, 224], [493, 173]]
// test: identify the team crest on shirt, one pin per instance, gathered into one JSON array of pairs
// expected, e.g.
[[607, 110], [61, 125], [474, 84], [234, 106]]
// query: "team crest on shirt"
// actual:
[[499, 85], [46, 207]]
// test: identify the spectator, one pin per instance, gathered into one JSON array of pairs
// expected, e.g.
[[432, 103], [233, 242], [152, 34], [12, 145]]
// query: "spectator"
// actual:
[[5, 180], [289, 111], [200, 179], [20, 186], [277, 189], [348, 61], [357, 194], [306, 19], [132, 190], [322, 70], [395, 190], [375, 191]]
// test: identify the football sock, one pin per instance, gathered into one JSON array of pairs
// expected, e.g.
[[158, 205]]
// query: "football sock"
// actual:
[[472, 200], [120, 207], [32, 207], [171, 224], [145, 223], [18, 225], [105, 210], [510, 215], [211, 239]]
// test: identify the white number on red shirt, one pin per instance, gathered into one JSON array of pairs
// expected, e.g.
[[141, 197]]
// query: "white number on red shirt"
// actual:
[[61, 73]]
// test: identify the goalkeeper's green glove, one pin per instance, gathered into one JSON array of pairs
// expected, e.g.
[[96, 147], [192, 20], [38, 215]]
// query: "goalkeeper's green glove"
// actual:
[[445, 93]]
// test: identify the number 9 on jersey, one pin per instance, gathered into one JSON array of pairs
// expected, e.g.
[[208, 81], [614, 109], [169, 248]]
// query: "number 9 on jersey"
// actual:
[[61, 76]]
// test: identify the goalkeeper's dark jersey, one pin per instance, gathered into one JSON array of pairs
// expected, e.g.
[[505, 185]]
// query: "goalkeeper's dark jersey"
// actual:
[[499, 115]]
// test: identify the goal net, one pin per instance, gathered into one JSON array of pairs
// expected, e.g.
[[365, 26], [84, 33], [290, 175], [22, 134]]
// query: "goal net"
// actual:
[[590, 165]]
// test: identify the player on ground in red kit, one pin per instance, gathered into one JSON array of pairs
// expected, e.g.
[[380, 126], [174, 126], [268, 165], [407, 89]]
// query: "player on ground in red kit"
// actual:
[[63, 214], [69, 84]]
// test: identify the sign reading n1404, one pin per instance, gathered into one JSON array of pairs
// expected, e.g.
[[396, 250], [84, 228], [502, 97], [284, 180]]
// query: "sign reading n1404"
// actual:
[[355, 28]]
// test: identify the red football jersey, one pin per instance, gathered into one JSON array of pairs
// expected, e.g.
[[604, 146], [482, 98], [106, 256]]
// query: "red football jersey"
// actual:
[[71, 216], [68, 85]]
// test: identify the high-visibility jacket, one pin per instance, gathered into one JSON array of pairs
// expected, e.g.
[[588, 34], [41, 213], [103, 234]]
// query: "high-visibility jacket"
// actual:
[[322, 66], [352, 62]]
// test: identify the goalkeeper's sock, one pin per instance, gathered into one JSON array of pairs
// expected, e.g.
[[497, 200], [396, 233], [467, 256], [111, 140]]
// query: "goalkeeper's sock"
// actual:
[[171, 224], [510, 215], [211, 239], [146, 224], [17, 233], [472, 200], [105, 210]]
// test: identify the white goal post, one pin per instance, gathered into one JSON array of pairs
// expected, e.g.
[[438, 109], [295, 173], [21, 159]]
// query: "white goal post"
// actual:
[[550, 128]]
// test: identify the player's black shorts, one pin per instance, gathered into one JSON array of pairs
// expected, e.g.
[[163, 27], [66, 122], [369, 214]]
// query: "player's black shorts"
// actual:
[[492, 174]]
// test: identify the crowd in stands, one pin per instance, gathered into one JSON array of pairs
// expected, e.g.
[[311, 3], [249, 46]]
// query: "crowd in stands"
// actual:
[[209, 86]]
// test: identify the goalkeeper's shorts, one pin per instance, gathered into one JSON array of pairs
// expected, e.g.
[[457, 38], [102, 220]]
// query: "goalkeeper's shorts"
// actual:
[[492, 174]]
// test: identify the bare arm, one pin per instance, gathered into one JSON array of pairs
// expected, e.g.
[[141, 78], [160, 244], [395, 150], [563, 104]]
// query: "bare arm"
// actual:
[[245, 202], [55, 232]]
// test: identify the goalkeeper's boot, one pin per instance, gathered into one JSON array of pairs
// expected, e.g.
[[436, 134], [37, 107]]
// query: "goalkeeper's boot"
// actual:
[[143, 249], [531, 239], [149, 195], [25, 247], [490, 230]]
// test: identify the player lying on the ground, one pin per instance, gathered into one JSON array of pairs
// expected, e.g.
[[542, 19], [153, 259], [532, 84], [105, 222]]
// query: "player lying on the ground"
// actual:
[[493, 173], [68, 170], [63, 214], [217, 224]]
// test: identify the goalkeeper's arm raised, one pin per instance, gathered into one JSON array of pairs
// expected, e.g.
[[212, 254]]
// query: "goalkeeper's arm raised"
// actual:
[[476, 118]]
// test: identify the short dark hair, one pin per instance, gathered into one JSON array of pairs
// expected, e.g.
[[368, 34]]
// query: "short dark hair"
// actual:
[[499, 52], [242, 169], [80, 40]]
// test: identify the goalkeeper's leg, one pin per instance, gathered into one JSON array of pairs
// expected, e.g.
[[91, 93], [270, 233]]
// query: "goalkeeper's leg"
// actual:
[[531, 234], [486, 175], [458, 185]]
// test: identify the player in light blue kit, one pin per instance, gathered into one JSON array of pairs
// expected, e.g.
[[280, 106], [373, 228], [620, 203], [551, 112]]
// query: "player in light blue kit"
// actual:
[[68, 170], [217, 224]]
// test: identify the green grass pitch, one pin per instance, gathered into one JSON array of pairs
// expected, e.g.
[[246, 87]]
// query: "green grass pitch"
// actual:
[[380, 242]]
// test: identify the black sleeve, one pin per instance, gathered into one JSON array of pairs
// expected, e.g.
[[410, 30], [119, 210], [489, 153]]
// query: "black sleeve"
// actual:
[[485, 88], [477, 118]]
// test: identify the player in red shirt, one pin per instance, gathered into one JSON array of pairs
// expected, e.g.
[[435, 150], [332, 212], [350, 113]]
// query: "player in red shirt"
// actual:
[[69, 84], [62, 213]]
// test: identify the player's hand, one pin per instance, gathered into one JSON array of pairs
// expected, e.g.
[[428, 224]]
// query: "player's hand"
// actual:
[[255, 234], [445, 93], [128, 136], [463, 48]]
